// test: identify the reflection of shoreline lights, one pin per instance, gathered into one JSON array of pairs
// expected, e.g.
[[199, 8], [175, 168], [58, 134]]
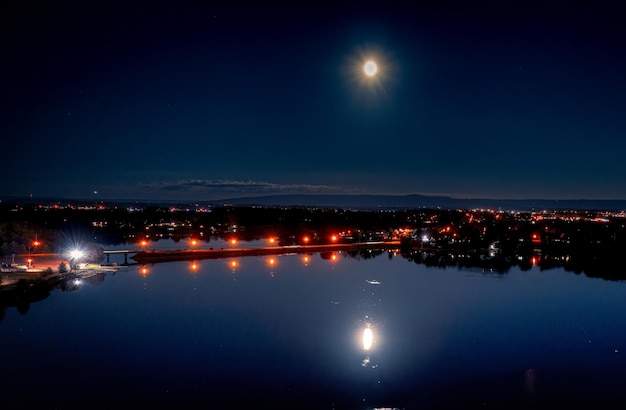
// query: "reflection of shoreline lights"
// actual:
[[234, 264], [271, 262], [333, 257], [368, 338], [306, 259], [144, 271], [194, 266]]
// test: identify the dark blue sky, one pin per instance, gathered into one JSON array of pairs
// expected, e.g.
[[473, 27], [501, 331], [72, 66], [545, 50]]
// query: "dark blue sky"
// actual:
[[163, 100]]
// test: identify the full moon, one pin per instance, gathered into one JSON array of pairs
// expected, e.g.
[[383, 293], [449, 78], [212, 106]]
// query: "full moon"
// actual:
[[370, 68]]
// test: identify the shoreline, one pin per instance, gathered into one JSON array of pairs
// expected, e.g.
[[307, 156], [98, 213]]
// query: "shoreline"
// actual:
[[154, 256]]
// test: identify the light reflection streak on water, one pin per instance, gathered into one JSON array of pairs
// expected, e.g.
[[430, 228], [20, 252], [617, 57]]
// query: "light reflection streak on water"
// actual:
[[368, 338]]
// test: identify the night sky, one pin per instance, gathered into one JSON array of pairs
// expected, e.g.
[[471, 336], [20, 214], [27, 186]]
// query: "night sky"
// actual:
[[175, 100]]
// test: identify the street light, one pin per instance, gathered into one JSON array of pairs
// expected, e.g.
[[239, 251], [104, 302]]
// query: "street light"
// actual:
[[34, 244]]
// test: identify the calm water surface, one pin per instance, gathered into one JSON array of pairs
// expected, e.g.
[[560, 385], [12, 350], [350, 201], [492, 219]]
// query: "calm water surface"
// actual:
[[296, 333]]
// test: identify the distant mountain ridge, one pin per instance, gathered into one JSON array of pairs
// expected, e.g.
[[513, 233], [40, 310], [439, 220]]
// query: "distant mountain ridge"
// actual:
[[423, 201]]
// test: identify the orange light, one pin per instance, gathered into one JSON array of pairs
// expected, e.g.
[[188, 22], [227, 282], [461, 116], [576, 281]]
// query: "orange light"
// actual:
[[194, 266], [271, 261], [144, 271], [306, 259], [333, 238], [143, 243], [333, 257], [305, 239], [271, 240], [194, 242], [234, 264], [36, 243], [233, 241]]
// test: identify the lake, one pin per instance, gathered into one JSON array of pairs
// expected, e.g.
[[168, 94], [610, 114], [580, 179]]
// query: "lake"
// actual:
[[306, 331]]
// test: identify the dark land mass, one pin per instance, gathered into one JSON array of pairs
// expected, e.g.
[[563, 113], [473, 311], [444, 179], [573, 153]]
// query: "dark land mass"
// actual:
[[362, 202]]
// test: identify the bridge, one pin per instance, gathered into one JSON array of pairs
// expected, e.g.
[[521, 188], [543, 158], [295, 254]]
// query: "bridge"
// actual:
[[124, 252]]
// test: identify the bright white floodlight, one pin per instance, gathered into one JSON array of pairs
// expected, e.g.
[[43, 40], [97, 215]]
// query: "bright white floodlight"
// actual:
[[76, 254]]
